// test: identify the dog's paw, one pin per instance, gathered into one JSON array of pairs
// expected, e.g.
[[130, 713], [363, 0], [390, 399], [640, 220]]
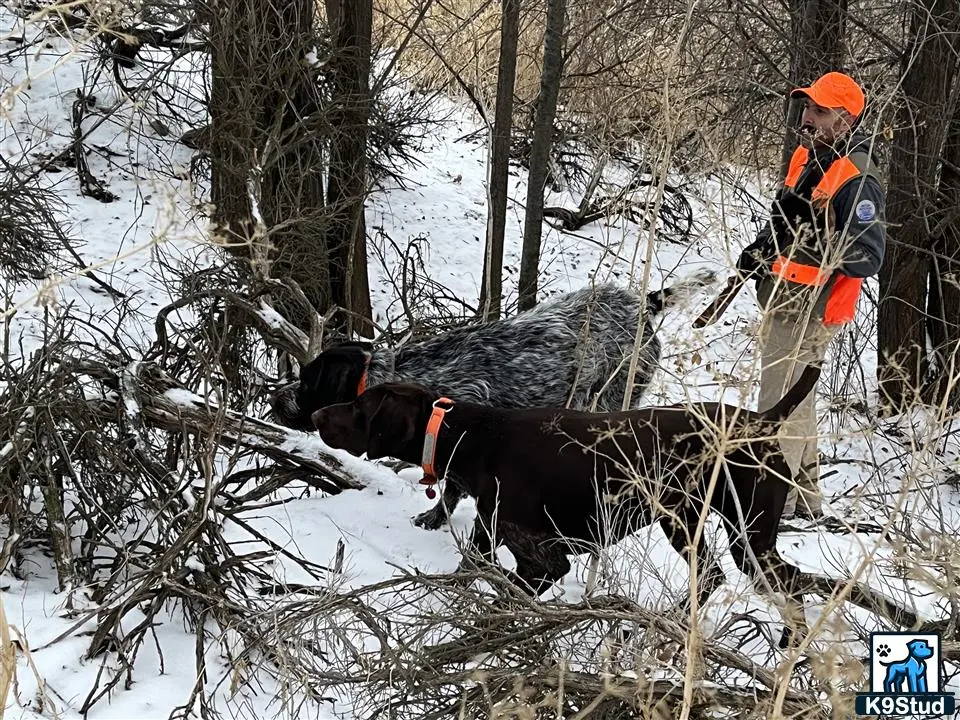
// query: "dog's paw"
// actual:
[[432, 519], [883, 650]]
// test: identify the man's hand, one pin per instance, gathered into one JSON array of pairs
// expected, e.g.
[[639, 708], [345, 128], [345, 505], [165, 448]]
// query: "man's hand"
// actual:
[[756, 255]]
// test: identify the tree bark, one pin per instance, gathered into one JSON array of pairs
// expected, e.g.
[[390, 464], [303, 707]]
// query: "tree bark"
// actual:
[[351, 23], [944, 301], [927, 68], [293, 200], [265, 143], [234, 114], [491, 290], [819, 34], [540, 151]]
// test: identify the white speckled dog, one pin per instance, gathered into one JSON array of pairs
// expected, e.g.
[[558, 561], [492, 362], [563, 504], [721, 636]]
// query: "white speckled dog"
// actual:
[[572, 351]]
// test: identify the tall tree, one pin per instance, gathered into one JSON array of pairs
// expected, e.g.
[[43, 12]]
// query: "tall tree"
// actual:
[[819, 30], [351, 27], [928, 69], [491, 289], [234, 118], [269, 133], [540, 151], [944, 300], [265, 156]]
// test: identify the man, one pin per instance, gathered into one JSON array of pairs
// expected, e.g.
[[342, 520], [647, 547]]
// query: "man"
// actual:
[[825, 235]]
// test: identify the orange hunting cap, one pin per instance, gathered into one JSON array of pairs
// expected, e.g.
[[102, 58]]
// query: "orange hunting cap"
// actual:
[[835, 90]]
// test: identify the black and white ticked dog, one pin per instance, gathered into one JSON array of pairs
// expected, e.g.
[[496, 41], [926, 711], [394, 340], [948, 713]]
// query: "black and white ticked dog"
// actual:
[[572, 351]]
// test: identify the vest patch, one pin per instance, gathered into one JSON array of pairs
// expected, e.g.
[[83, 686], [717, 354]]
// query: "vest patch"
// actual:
[[866, 211]]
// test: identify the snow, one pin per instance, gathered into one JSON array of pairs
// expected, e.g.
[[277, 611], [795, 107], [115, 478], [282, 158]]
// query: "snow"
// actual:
[[179, 396], [441, 214], [271, 317]]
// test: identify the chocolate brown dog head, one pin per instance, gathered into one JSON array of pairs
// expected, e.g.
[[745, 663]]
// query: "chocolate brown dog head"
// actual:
[[388, 420]]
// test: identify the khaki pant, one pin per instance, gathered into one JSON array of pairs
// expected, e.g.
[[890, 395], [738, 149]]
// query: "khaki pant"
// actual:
[[787, 344]]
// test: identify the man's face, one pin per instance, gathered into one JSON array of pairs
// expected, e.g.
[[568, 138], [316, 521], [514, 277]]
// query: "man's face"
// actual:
[[822, 126]]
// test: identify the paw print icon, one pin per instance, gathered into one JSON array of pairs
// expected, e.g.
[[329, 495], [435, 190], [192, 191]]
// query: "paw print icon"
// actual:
[[883, 650]]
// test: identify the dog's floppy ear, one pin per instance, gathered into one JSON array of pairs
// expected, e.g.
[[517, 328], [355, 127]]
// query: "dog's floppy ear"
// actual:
[[334, 375], [392, 427]]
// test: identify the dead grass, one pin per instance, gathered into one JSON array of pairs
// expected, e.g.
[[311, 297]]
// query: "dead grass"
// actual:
[[8, 659], [619, 56], [727, 82]]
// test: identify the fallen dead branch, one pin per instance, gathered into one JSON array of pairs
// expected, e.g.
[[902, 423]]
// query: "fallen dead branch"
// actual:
[[470, 644], [871, 600], [165, 405], [136, 510]]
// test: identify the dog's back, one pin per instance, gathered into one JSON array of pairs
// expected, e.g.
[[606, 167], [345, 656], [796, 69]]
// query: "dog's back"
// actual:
[[563, 351], [573, 470], [572, 351]]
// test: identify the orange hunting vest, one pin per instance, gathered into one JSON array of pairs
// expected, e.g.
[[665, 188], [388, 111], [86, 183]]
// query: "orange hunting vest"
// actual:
[[841, 300]]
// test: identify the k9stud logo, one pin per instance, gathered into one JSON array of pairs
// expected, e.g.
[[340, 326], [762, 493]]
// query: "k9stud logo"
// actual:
[[905, 677]]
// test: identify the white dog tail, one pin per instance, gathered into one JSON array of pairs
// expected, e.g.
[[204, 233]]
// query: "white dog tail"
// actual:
[[682, 290]]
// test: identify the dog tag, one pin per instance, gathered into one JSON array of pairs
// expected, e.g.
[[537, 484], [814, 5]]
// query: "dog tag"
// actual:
[[429, 442]]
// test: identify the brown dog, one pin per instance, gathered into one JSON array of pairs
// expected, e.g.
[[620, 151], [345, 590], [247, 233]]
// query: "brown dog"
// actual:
[[549, 482]]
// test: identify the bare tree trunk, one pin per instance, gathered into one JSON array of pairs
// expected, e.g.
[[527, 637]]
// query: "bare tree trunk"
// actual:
[[234, 115], [944, 302], [263, 97], [915, 158], [293, 201], [819, 32], [351, 23], [491, 289], [51, 488], [540, 151]]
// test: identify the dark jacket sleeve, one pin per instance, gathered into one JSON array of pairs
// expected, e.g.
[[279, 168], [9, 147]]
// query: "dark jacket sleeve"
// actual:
[[861, 227], [764, 238]]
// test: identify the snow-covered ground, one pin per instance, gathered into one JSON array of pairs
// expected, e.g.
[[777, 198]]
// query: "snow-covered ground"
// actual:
[[155, 220]]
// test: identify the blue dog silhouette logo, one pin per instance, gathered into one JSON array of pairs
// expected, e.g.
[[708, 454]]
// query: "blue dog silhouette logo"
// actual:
[[908, 675], [905, 677]]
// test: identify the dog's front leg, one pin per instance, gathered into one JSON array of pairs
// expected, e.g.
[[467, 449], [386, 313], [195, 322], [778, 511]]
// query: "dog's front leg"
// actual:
[[785, 583], [480, 548], [711, 576], [541, 559], [435, 517]]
